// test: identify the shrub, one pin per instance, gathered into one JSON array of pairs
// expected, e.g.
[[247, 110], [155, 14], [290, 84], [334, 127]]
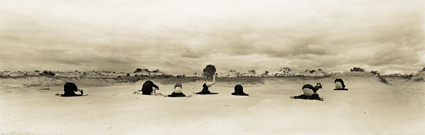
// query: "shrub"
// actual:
[[357, 69], [48, 73]]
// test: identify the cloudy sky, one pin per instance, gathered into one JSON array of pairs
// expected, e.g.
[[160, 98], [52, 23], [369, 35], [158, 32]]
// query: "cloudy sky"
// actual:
[[182, 37]]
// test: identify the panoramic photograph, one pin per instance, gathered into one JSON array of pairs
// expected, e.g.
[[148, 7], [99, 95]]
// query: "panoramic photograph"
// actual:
[[196, 67]]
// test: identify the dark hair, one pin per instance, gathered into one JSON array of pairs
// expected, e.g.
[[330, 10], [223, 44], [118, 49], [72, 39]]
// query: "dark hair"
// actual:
[[178, 85], [238, 89]]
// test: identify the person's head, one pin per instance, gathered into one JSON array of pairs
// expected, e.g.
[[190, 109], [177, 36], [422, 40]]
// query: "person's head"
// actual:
[[178, 88], [238, 88], [319, 85], [69, 86]]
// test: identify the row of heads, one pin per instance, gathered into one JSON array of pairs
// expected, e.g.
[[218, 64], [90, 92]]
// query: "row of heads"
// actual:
[[178, 85]]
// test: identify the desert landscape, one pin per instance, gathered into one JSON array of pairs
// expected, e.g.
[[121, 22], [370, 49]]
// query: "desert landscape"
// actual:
[[223, 67], [370, 106]]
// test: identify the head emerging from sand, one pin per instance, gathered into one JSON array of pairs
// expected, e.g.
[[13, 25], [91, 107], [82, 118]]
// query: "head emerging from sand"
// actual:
[[70, 89], [310, 92], [178, 88], [206, 85], [239, 91], [339, 84]]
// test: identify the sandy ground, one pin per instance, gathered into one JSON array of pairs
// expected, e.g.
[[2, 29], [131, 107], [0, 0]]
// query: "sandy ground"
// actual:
[[367, 108]]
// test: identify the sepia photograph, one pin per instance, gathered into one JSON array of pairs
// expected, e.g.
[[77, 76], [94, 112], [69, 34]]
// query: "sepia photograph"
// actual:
[[212, 67]]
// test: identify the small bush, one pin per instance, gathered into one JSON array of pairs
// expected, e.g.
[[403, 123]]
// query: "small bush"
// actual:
[[419, 80], [357, 69], [48, 73]]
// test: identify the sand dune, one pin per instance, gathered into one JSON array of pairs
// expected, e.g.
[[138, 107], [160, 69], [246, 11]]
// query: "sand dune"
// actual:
[[369, 107]]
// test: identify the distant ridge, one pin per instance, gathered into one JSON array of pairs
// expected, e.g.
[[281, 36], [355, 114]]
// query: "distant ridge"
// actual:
[[420, 77]]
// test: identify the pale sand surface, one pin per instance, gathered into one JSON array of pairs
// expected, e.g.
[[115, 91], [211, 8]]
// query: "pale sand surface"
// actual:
[[367, 108]]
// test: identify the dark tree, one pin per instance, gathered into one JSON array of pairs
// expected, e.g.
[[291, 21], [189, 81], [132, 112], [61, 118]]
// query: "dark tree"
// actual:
[[48, 73], [357, 69]]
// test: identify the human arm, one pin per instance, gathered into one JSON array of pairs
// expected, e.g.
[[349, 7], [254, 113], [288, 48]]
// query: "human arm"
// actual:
[[209, 84], [155, 86]]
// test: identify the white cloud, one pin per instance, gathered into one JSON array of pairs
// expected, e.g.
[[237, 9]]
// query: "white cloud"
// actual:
[[183, 36]]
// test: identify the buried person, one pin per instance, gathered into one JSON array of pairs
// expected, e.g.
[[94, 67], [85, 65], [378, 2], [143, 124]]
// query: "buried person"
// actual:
[[206, 85], [310, 92], [147, 89], [70, 89], [239, 91], [177, 91], [339, 84]]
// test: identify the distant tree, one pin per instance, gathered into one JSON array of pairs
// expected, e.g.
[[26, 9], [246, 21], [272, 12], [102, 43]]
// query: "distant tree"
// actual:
[[285, 70], [48, 73], [76, 70], [266, 73], [423, 69], [251, 71], [45, 72], [138, 70], [37, 71], [357, 69], [128, 74], [156, 71]]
